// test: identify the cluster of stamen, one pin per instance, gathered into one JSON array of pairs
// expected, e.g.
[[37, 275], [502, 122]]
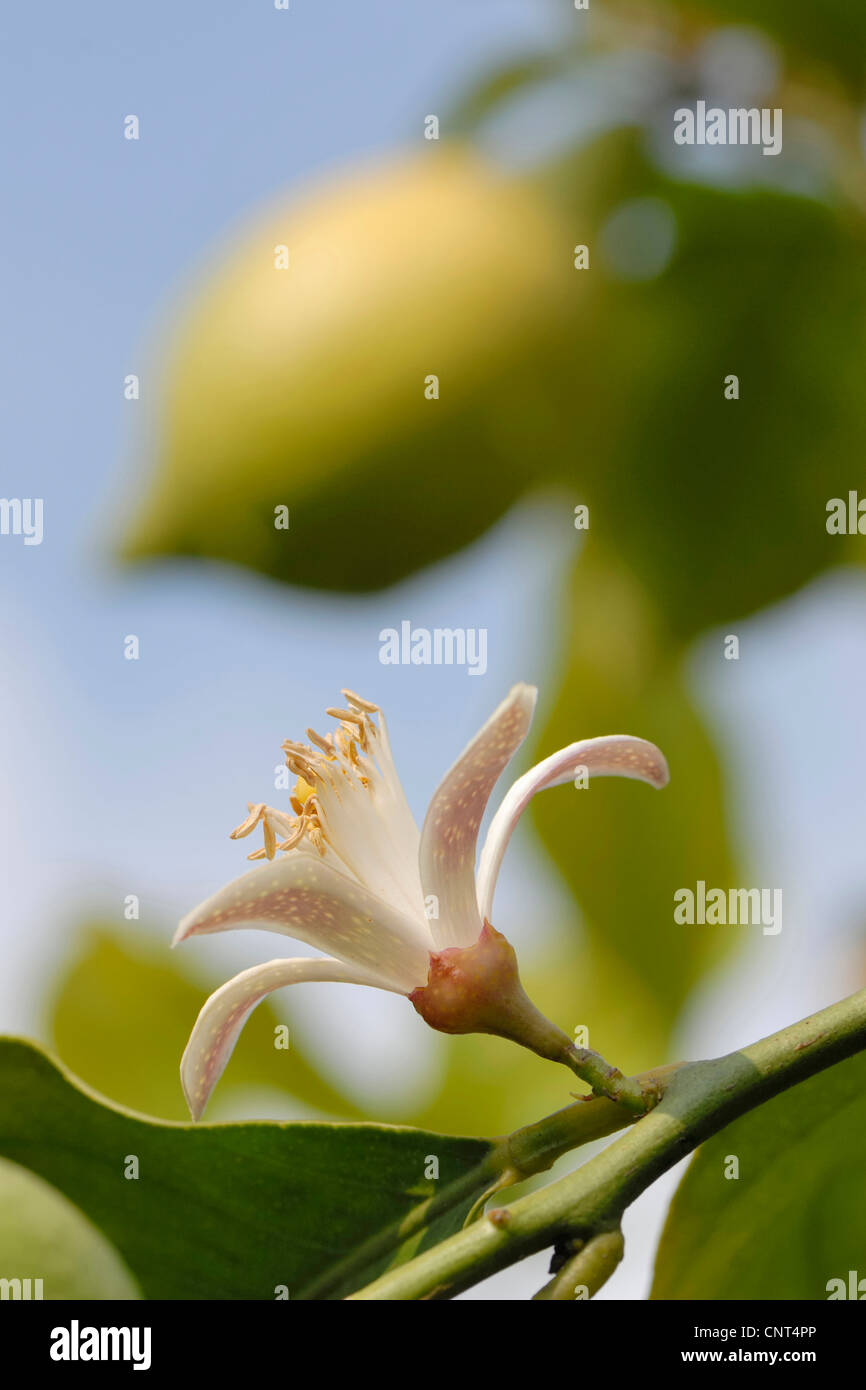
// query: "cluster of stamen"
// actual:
[[313, 763]]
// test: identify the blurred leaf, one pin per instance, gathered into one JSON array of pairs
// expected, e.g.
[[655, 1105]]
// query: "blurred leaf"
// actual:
[[121, 1019], [718, 506], [305, 387], [795, 1217], [831, 32], [509, 80], [43, 1236], [217, 1211], [623, 848]]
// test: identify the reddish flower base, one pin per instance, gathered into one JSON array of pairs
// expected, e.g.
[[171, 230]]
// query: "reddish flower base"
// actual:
[[477, 989]]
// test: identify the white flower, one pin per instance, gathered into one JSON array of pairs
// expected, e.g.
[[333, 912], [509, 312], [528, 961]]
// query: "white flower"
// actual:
[[348, 873]]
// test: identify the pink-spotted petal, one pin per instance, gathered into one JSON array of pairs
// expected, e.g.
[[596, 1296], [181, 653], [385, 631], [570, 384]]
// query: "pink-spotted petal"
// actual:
[[219, 1024], [616, 755], [449, 838], [301, 896]]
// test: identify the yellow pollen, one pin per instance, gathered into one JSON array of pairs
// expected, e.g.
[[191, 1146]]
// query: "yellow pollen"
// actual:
[[302, 793]]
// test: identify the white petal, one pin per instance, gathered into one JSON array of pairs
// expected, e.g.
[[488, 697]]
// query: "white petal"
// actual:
[[616, 755], [219, 1024], [299, 895], [368, 824], [450, 834]]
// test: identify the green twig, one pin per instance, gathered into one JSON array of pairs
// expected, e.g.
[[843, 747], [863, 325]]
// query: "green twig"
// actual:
[[605, 1080], [511, 1159], [588, 1268], [700, 1099]]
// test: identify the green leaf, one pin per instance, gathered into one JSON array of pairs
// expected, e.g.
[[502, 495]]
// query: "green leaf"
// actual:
[[304, 387], [624, 848], [831, 32], [121, 1016], [217, 1211], [718, 506], [44, 1237], [794, 1219]]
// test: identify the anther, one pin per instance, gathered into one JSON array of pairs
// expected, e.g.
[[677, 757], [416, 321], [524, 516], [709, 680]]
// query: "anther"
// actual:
[[296, 835], [350, 715], [366, 705], [256, 811], [326, 747]]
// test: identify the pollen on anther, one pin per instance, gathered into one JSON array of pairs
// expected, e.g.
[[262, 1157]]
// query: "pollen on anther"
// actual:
[[366, 705]]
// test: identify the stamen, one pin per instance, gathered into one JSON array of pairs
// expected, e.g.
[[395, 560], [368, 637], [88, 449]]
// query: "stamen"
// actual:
[[352, 734], [343, 802], [301, 768], [366, 705], [252, 820], [326, 747], [271, 821], [349, 715], [296, 835], [270, 837]]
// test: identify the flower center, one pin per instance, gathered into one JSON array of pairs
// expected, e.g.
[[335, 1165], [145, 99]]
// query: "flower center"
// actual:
[[349, 806]]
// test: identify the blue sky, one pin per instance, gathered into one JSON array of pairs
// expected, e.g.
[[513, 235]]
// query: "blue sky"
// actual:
[[124, 777]]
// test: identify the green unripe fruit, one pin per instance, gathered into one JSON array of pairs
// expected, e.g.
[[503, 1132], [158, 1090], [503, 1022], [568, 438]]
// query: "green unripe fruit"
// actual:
[[46, 1240]]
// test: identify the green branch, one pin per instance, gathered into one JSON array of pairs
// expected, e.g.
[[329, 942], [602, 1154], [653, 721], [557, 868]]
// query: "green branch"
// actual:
[[511, 1159], [586, 1270], [699, 1099], [635, 1094]]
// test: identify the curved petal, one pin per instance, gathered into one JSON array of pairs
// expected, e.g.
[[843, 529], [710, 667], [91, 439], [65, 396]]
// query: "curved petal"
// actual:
[[219, 1024], [450, 834], [300, 895], [616, 755]]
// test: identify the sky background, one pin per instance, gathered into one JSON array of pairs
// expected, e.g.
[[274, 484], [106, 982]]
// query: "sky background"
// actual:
[[124, 777]]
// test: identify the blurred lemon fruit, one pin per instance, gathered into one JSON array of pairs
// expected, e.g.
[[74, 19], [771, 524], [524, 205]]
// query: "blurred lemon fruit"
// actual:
[[376, 361], [43, 1237]]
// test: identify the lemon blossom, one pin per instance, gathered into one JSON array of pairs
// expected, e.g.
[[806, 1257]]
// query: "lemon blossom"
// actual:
[[348, 873]]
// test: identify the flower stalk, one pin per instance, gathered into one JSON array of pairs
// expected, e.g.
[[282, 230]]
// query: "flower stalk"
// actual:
[[635, 1096]]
